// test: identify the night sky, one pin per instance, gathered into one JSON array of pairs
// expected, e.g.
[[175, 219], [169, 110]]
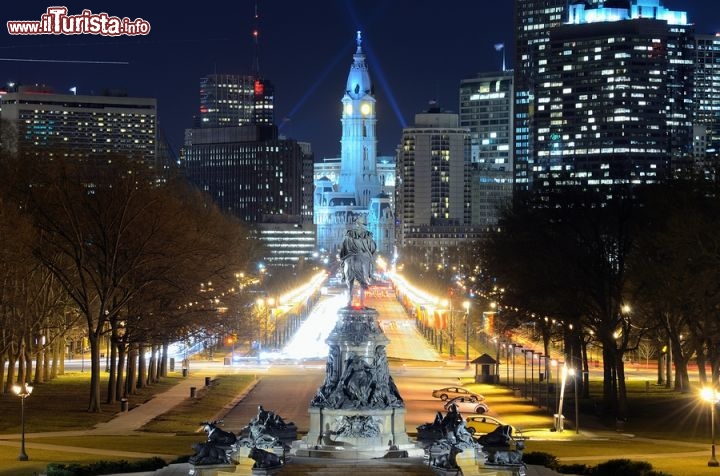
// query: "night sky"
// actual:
[[417, 51]]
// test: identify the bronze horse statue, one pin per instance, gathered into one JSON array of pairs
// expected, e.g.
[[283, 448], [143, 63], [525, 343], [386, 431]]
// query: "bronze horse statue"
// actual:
[[357, 254], [356, 269]]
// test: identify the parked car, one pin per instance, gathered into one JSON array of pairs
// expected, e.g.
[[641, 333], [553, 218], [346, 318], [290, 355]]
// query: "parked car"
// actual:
[[467, 405], [481, 425], [451, 392]]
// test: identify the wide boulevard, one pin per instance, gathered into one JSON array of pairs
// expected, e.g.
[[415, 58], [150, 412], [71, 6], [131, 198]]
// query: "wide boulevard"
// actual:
[[287, 386]]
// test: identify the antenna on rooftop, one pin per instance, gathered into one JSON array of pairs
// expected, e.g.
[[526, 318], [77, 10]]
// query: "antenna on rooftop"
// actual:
[[255, 70]]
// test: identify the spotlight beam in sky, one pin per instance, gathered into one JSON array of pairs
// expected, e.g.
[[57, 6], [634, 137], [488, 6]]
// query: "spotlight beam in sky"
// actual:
[[372, 59], [343, 54]]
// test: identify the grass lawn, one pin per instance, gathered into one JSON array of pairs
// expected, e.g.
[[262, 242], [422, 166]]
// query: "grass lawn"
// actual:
[[59, 405], [670, 430], [62, 404], [666, 456]]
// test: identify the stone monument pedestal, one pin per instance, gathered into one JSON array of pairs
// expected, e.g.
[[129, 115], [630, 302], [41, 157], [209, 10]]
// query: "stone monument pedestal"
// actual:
[[358, 412], [353, 434]]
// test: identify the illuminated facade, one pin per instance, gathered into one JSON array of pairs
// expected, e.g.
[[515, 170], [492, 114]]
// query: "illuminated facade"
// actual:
[[706, 136], [486, 109], [433, 188], [263, 180], [356, 190], [232, 100], [612, 99], [533, 21], [329, 170], [80, 126]]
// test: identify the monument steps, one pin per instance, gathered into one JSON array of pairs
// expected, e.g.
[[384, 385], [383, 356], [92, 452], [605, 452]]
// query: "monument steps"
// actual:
[[380, 467]]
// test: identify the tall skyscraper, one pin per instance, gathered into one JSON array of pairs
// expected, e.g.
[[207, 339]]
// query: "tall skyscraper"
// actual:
[[604, 94], [234, 154], [232, 100], [533, 21], [613, 97], [81, 126], [486, 109], [706, 132], [357, 191], [433, 189], [247, 170]]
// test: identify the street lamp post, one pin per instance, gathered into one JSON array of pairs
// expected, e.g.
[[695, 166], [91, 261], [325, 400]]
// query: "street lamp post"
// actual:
[[23, 391], [711, 396], [576, 374], [452, 332], [532, 376], [559, 424], [525, 353], [556, 393], [507, 363], [466, 305], [515, 346], [540, 373]]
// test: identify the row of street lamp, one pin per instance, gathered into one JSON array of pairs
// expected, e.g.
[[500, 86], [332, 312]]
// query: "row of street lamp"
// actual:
[[421, 299]]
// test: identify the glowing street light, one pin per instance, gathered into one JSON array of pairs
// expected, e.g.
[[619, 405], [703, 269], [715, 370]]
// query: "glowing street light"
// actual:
[[23, 391], [559, 424], [711, 396]]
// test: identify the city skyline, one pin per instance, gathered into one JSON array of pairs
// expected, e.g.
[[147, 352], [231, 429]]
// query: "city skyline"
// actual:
[[416, 52]]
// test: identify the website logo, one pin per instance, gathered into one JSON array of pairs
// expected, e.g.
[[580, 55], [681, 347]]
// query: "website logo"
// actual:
[[56, 21]]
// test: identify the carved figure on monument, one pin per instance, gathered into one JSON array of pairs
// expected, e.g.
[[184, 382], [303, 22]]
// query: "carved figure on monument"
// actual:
[[442, 454], [357, 380], [360, 385], [357, 255], [455, 431], [431, 431], [498, 446], [499, 437], [450, 428], [217, 446], [331, 377], [386, 393], [362, 426], [267, 429], [265, 459]]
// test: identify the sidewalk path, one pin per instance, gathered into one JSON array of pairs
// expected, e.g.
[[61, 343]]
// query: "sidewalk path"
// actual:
[[127, 422]]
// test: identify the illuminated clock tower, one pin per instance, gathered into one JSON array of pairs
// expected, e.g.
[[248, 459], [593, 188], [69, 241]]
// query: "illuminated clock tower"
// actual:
[[353, 189], [358, 145]]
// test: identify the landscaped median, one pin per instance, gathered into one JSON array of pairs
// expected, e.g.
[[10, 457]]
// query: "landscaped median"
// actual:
[[668, 429]]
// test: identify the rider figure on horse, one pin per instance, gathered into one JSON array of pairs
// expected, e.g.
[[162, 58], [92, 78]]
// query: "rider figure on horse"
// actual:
[[357, 255]]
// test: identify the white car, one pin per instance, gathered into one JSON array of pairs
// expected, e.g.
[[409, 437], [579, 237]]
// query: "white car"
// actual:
[[467, 405]]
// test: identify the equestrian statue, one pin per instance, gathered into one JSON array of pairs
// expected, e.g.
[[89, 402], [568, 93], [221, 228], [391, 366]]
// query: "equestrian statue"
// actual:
[[357, 255]]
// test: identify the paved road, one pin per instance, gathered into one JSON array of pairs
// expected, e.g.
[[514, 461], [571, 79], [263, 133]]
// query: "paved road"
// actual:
[[288, 390]]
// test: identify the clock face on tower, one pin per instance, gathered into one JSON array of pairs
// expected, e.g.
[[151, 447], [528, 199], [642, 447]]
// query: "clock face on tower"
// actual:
[[348, 109], [365, 108]]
